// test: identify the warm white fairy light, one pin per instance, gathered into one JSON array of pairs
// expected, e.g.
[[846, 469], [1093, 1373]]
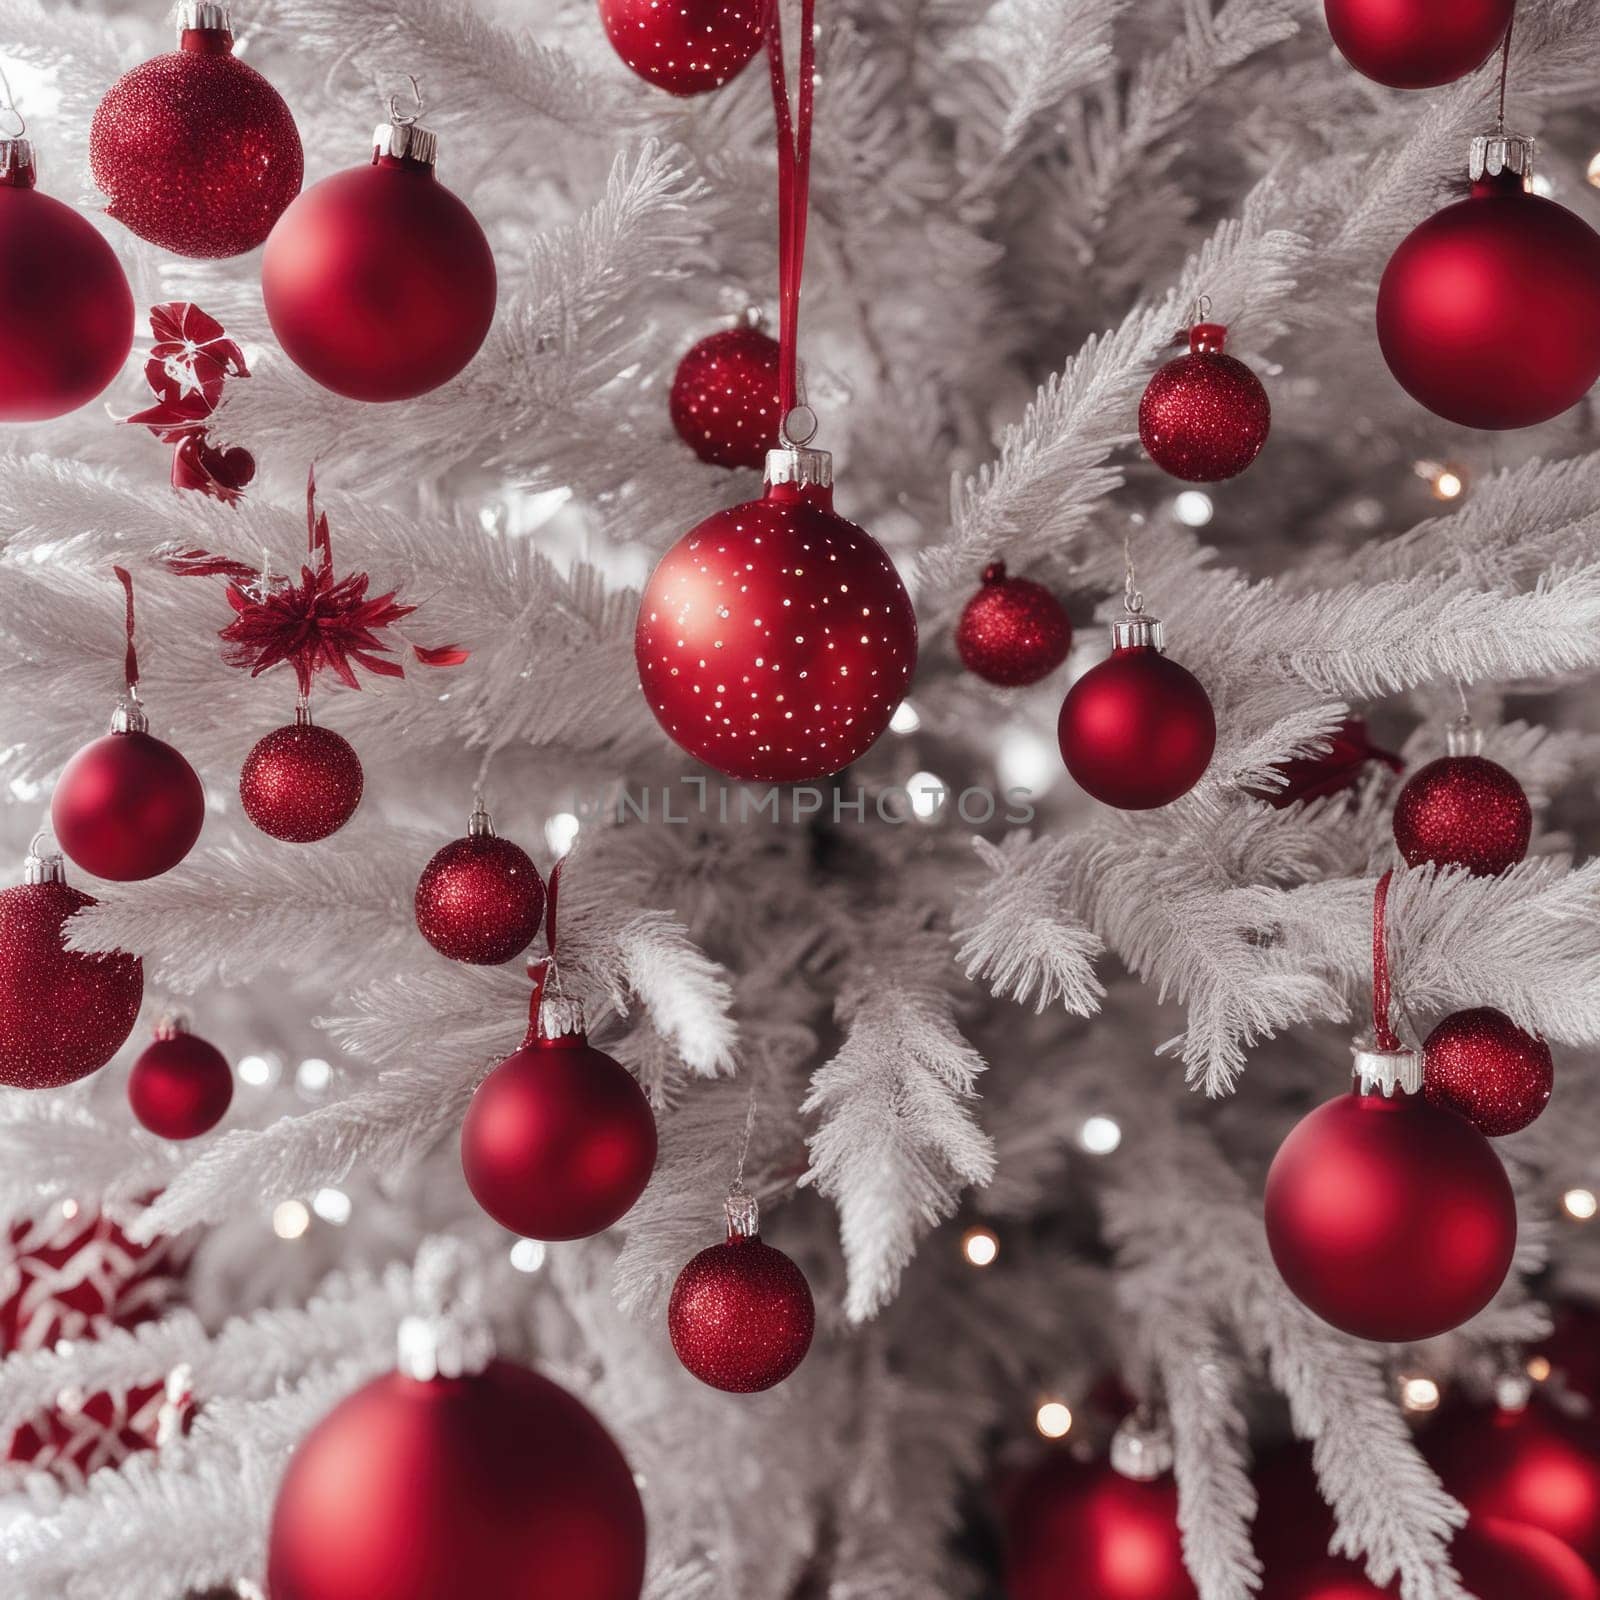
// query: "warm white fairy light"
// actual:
[[1447, 485], [1027, 762], [332, 1205], [69, 1209], [1580, 1204], [1053, 1419], [314, 1075], [527, 1255], [1538, 1368], [255, 1070], [927, 791], [1419, 1394], [290, 1219], [1100, 1135], [980, 1246], [905, 718], [561, 832], [1593, 173], [1193, 508]]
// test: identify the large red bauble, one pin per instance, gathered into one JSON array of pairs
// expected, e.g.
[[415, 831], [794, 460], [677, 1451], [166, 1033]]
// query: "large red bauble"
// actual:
[[1204, 417], [725, 402], [181, 1085], [741, 1315], [1482, 1066], [127, 807], [1080, 1531], [63, 1014], [776, 639], [559, 1140], [378, 281], [196, 151], [1487, 313], [1417, 44], [1137, 731], [1463, 811], [301, 783], [1388, 1217], [495, 1485], [66, 311], [480, 899], [1012, 631], [687, 47]]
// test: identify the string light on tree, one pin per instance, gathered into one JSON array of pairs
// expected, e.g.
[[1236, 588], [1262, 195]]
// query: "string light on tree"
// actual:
[[1580, 1204], [1053, 1419], [1445, 482], [980, 1247], [1419, 1394]]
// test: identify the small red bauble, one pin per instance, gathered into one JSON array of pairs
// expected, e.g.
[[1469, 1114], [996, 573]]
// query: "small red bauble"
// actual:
[[775, 640], [181, 1086], [1204, 416], [1482, 1066], [480, 899], [688, 47], [498, 1483], [63, 1014], [1013, 631], [1417, 44], [196, 151], [1573, 1351], [1487, 313], [301, 783], [66, 311], [378, 281], [1138, 730], [741, 1314], [1463, 810], [725, 402]]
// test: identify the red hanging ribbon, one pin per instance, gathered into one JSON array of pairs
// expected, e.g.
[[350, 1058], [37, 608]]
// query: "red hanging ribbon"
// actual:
[[540, 968], [794, 187], [130, 662], [1382, 1032]]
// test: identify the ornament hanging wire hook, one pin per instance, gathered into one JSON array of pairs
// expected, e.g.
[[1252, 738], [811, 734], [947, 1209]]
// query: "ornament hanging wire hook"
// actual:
[[8, 110], [1505, 68], [1202, 308], [405, 119], [738, 1188], [1132, 600]]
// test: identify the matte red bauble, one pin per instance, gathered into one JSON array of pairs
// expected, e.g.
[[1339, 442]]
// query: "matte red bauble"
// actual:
[[301, 783], [775, 640], [494, 1484], [1013, 631], [181, 1086], [480, 899], [1487, 313], [1482, 1066], [1204, 416], [1079, 1530], [1417, 44], [63, 1014], [1138, 730], [66, 311], [378, 281], [1573, 1351], [1463, 810], [725, 402], [741, 1314], [688, 47], [196, 151]]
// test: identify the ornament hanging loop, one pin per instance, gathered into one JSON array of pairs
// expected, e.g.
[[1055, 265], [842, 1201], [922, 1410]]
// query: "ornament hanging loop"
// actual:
[[405, 119], [798, 428], [13, 125], [1390, 1065]]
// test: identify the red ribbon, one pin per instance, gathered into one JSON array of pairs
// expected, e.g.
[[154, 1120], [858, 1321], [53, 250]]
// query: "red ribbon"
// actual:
[[130, 662], [1384, 1034], [794, 187]]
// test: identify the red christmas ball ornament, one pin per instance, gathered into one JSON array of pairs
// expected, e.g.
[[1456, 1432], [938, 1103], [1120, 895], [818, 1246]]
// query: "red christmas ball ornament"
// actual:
[[302, 782], [196, 151], [63, 1014], [1482, 1066], [480, 899], [1487, 313], [1307, 778], [66, 311], [181, 1086], [1573, 1352], [725, 402], [1013, 631], [1417, 44], [1204, 416], [1463, 810], [685, 48], [378, 281], [1138, 730], [741, 1314], [776, 639]]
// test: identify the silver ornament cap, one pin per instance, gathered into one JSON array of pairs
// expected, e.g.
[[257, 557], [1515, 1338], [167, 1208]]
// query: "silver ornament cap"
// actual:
[[1387, 1072], [1142, 1448], [1463, 737], [209, 16], [43, 867], [1494, 153], [446, 1335], [1134, 630], [406, 141]]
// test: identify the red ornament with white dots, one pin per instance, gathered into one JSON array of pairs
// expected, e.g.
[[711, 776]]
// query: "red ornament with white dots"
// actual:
[[725, 402], [775, 639], [689, 46], [1481, 1064], [1013, 631], [1204, 416], [1463, 810]]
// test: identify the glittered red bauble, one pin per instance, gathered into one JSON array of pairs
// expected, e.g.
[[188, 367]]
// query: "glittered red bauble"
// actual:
[[1487, 313], [63, 1014], [1388, 1217], [1417, 44], [1463, 811], [1482, 1066], [741, 1315], [1204, 416], [1013, 631], [497, 1484], [688, 47], [776, 639], [725, 402], [66, 311], [196, 151], [559, 1140], [301, 783], [1078, 1530], [480, 899], [127, 807], [1138, 730], [378, 281], [181, 1086]]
